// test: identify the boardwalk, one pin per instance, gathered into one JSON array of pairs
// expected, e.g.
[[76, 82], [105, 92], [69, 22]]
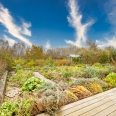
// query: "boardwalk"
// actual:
[[103, 104]]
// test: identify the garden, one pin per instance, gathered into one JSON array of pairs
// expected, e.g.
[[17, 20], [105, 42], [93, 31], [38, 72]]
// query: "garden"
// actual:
[[60, 82]]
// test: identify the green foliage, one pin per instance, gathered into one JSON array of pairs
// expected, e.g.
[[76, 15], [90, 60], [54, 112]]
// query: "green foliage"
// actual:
[[19, 62], [66, 74], [8, 61], [97, 65], [18, 67], [111, 79], [85, 81], [16, 108], [104, 57], [29, 64], [20, 77], [90, 72], [75, 60], [49, 62], [31, 84]]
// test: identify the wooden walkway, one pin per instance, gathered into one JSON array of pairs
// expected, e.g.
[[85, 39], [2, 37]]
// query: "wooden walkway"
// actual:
[[103, 104]]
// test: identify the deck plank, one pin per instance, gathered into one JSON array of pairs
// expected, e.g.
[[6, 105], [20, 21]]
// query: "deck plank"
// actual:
[[107, 111], [97, 106], [112, 114]]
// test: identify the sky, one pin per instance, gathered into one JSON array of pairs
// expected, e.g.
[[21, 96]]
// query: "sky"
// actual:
[[58, 23]]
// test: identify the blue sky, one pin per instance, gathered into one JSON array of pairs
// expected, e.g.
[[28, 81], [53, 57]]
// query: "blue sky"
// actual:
[[58, 23]]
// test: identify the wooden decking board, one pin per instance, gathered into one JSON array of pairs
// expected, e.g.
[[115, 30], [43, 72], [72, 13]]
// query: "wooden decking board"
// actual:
[[86, 104], [107, 111], [99, 108], [81, 112], [85, 100], [103, 104], [112, 114]]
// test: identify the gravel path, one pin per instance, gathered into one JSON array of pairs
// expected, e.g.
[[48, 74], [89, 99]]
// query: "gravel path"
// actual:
[[37, 74]]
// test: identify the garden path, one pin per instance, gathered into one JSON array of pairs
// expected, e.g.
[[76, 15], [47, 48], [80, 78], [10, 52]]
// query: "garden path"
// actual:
[[103, 104], [37, 74]]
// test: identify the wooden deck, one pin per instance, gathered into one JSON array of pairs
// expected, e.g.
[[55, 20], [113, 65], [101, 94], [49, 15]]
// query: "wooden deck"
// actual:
[[103, 104]]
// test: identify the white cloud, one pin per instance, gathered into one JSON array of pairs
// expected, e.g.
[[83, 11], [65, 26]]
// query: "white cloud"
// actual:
[[17, 31], [110, 8], [10, 41], [106, 43], [25, 29], [75, 21], [47, 46]]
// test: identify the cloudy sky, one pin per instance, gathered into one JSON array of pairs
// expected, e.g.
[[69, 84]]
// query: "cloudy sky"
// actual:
[[58, 23]]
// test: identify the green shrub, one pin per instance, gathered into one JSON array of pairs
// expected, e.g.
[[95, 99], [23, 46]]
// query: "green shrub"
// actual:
[[85, 81], [104, 57], [111, 79], [16, 108], [66, 74], [49, 62], [20, 77], [75, 60], [97, 65], [90, 72], [31, 84]]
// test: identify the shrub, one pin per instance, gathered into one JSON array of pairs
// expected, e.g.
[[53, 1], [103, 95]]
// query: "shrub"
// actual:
[[16, 108], [63, 62], [39, 63], [104, 58], [91, 72], [31, 84], [50, 100], [111, 79], [66, 75], [3, 66], [19, 62], [85, 82], [97, 65], [29, 64], [95, 88], [49, 62], [20, 77], [75, 60], [80, 91]]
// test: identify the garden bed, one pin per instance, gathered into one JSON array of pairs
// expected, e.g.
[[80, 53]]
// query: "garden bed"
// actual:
[[29, 94]]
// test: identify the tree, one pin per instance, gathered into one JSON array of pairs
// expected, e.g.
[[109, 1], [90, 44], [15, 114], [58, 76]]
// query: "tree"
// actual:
[[92, 45], [34, 52]]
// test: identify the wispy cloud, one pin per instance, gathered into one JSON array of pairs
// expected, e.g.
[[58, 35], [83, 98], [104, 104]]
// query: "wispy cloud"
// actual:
[[47, 46], [75, 21], [106, 43], [10, 41], [17, 31], [110, 8]]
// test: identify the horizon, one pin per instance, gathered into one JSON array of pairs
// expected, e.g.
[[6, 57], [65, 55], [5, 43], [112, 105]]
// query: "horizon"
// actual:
[[58, 23]]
